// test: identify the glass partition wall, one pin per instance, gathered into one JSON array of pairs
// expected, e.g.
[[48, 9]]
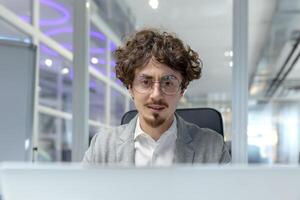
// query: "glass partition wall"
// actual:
[[53, 36], [273, 122]]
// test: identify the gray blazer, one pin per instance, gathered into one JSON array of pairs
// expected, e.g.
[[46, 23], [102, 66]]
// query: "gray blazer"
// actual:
[[193, 145]]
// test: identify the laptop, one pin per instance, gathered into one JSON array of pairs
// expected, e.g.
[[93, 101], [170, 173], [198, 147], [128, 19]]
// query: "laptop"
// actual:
[[77, 182]]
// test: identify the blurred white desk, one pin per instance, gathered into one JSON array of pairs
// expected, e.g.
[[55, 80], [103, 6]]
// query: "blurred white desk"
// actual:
[[75, 182]]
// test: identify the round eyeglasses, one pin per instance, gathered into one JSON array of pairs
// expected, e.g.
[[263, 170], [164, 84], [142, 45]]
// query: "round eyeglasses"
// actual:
[[168, 84]]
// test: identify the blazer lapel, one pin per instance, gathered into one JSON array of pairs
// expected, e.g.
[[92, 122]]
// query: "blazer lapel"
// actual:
[[184, 152], [125, 144]]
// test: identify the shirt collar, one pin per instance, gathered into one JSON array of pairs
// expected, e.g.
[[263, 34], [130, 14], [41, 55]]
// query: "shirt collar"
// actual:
[[171, 131]]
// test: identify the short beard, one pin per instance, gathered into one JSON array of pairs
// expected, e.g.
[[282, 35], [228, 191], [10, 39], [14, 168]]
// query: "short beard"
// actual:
[[156, 122]]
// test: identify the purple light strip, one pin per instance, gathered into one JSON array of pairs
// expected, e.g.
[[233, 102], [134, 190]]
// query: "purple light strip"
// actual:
[[61, 9], [58, 31], [97, 50], [98, 35], [101, 61], [93, 34]]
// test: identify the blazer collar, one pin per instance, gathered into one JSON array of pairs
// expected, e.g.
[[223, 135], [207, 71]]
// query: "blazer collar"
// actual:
[[184, 152]]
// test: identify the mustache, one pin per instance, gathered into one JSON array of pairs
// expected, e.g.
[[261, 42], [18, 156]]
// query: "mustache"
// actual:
[[158, 103]]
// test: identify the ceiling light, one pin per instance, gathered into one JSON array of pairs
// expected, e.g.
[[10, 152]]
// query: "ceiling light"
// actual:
[[65, 70], [87, 4], [48, 62], [230, 64], [153, 4], [94, 60], [228, 53], [63, 12], [27, 143]]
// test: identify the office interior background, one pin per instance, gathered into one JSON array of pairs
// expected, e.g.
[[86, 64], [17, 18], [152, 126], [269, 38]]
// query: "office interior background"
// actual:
[[46, 28]]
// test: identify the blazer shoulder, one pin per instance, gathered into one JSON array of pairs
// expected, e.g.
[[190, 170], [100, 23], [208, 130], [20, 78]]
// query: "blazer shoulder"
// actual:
[[208, 144], [102, 146], [108, 134], [203, 133]]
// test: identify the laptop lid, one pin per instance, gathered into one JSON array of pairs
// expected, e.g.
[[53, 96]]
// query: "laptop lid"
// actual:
[[76, 182]]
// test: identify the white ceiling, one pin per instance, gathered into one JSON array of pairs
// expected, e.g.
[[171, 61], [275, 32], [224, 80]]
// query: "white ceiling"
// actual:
[[206, 25], [277, 47]]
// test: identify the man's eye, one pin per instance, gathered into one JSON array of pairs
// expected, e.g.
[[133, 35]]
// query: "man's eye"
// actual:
[[145, 82], [168, 83]]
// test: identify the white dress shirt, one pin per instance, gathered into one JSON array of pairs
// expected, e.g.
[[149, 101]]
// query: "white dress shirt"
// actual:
[[149, 152]]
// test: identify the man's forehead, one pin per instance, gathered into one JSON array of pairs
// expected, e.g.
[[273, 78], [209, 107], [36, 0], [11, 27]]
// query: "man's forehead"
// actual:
[[156, 69]]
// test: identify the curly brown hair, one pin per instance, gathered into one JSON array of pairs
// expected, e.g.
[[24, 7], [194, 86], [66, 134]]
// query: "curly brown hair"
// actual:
[[166, 48]]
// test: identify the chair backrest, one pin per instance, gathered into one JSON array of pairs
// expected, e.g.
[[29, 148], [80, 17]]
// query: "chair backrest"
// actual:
[[203, 117]]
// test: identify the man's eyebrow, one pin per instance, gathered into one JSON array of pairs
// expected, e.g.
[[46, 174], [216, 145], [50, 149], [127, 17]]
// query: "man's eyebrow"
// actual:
[[145, 76], [151, 77], [170, 75]]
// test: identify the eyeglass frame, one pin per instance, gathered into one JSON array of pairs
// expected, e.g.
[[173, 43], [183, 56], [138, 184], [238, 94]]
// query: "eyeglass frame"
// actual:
[[180, 86]]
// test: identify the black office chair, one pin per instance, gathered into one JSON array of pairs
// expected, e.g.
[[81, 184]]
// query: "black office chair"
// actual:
[[203, 117]]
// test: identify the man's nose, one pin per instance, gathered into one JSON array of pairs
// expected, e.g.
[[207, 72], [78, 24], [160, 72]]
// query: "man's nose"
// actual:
[[156, 92]]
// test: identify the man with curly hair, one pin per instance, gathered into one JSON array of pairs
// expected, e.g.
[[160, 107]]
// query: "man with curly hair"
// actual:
[[156, 67]]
